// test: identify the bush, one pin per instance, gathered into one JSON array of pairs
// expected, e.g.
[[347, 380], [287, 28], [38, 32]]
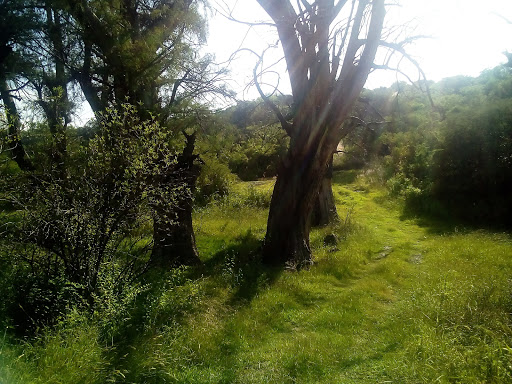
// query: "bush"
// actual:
[[251, 165], [473, 173], [258, 153], [78, 229], [214, 181], [251, 196]]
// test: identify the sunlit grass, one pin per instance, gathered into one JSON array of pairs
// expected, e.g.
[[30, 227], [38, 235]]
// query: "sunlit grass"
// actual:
[[71, 355], [391, 301]]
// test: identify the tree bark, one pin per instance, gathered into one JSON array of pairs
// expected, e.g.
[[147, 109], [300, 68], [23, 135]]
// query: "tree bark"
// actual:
[[174, 241], [325, 212], [295, 193], [287, 238], [18, 153], [173, 232]]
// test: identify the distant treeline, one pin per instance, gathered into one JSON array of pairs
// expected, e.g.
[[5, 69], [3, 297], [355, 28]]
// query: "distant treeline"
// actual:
[[450, 153]]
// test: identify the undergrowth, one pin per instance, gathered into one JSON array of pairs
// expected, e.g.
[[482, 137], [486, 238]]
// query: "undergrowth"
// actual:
[[390, 298]]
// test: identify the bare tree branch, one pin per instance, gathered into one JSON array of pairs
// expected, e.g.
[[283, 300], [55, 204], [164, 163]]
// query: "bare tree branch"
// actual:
[[285, 17], [399, 48], [228, 14], [284, 123]]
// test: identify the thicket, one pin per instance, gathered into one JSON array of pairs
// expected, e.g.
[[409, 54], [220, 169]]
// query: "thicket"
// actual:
[[80, 204], [69, 240], [450, 156]]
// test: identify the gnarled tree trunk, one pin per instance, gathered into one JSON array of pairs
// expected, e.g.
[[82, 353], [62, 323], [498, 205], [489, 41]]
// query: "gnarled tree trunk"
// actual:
[[174, 242], [325, 212], [293, 200], [326, 78]]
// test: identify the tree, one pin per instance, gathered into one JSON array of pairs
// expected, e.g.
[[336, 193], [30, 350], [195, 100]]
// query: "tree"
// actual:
[[140, 52], [34, 46], [149, 59], [327, 66], [51, 79], [17, 24]]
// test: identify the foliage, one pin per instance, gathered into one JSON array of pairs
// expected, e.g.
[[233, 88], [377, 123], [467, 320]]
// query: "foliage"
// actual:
[[258, 153], [475, 165], [452, 158], [247, 139], [215, 181], [86, 228], [88, 346]]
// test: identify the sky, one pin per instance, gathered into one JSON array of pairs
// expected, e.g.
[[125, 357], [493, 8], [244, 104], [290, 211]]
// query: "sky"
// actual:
[[465, 38]]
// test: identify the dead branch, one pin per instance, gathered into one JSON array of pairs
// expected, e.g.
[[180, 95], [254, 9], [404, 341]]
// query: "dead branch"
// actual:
[[284, 123]]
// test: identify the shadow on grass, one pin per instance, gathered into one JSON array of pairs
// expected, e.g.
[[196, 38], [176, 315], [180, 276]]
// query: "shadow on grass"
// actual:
[[164, 310], [239, 266], [174, 294], [439, 218], [378, 355], [434, 224], [345, 177], [427, 214]]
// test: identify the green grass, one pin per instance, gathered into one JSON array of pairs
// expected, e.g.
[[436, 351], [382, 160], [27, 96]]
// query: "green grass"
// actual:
[[395, 300]]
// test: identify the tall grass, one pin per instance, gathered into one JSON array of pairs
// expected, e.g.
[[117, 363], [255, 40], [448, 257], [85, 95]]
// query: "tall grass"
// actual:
[[71, 354], [392, 299]]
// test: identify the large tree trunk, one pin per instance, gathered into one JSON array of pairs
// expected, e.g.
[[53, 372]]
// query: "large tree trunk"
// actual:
[[174, 241], [296, 190], [173, 233], [324, 86], [324, 211]]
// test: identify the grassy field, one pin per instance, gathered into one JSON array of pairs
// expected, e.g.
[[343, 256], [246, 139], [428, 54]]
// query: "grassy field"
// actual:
[[396, 299]]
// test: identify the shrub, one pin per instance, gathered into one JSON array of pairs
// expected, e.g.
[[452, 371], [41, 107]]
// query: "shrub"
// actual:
[[251, 196], [79, 228], [473, 173], [215, 180], [258, 154]]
